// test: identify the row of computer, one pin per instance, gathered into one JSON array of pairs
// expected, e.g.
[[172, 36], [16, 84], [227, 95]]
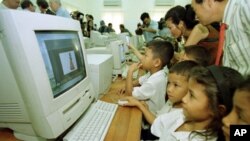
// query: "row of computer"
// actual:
[[45, 77], [107, 56]]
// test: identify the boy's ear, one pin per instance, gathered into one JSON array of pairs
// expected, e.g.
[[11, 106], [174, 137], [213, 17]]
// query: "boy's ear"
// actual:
[[157, 62], [222, 109]]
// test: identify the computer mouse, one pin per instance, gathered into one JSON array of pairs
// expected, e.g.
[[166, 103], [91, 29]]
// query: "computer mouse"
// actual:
[[122, 102]]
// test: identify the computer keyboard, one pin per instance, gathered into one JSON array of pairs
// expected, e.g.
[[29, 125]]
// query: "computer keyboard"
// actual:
[[94, 125]]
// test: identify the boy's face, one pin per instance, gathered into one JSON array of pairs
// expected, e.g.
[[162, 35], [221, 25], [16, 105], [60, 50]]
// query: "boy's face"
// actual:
[[148, 61], [196, 103], [240, 113], [177, 87]]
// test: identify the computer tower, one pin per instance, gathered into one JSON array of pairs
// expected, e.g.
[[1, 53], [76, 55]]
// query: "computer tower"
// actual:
[[101, 67]]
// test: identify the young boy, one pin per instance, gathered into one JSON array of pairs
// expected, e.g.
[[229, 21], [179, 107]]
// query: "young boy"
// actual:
[[240, 113], [196, 53], [152, 86], [177, 88]]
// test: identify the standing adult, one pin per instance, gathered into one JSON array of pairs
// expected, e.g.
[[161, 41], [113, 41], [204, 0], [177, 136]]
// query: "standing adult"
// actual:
[[56, 6], [186, 29], [235, 14], [9, 4], [44, 7], [149, 27]]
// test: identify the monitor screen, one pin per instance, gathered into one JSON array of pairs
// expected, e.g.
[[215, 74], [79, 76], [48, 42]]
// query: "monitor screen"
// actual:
[[63, 59]]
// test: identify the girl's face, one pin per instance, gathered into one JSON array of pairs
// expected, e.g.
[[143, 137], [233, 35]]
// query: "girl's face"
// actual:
[[177, 87], [240, 113], [175, 30], [196, 103]]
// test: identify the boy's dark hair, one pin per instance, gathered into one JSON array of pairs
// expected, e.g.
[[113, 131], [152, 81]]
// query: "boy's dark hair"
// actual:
[[144, 15], [245, 85], [26, 3], [201, 1], [163, 50], [183, 68], [199, 53], [122, 26], [179, 13], [220, 84], [42, 3]]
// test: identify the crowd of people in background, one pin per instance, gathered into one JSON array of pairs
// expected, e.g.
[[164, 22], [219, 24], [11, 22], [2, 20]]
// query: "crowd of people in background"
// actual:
[[205, 98]]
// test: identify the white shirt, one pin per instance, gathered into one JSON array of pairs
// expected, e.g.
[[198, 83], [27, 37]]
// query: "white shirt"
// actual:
[[63, 13], [152, 89], [167, 107], [165, 126], [237, 41], [2, 6]]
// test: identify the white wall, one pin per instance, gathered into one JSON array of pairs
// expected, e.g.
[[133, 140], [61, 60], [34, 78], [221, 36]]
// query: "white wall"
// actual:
[[130, 11]]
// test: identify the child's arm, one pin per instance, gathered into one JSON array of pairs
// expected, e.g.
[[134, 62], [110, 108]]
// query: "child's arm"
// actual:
[[136, 52], [129, 79], [150, 117]]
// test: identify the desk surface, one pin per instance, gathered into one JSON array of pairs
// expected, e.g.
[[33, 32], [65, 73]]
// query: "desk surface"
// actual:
[[126, 124]]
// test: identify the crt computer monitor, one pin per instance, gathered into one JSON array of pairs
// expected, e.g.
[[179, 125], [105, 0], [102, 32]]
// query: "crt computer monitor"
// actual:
[[97, 39], [118, 52], [45, 85]]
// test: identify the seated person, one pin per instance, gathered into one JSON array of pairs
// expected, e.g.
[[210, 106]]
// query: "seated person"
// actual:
[[209, 98], [28, 6], [151, 87], [110, 28], [240, 114], [196, 53], [124, 30], [177, 88], [44, 7]]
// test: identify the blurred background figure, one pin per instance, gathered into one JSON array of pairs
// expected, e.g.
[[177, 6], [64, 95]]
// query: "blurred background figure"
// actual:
[[9, 4], [44, 7], [28, 6], [123, 29], [110, 28], [56, 6]]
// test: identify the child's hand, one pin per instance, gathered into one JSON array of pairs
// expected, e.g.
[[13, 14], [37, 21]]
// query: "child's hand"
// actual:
[[131, 101], [134, 67], [122, 91], [144, 104], [131, 47]]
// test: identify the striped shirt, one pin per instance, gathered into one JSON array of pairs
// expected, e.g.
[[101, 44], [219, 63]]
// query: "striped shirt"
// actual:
[[237, 43]]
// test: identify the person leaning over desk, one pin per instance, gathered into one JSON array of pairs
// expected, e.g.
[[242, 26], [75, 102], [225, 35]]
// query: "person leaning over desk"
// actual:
[[235, 14]]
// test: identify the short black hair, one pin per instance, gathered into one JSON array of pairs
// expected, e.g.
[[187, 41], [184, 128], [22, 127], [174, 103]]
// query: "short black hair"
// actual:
[[26, 3], [245, 85], [163, 50], [42, 3], [201, 1], [199, 53], [183, 68], [144, 15]]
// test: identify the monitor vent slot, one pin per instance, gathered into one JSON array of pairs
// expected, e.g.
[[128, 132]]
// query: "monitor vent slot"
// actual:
[[10, 111]]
